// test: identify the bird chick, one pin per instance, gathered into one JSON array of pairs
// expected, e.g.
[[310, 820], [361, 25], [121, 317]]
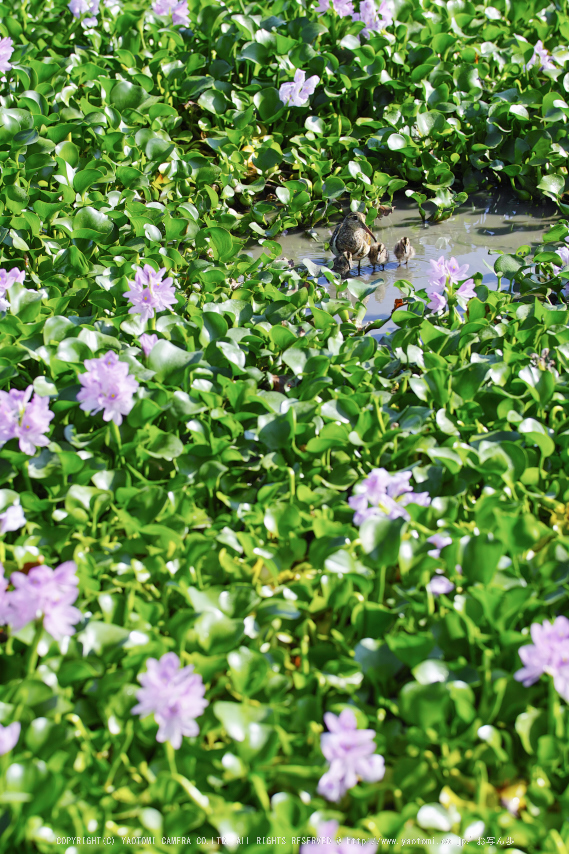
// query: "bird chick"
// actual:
[[378, 254], [404, 251], [342, 264]]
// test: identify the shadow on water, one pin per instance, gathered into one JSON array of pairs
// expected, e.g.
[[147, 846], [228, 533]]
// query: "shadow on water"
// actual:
[[499, 223]]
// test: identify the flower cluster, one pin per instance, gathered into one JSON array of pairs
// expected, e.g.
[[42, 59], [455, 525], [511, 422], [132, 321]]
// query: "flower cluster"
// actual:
[[12, 519], [386, 494], [351, 754], [326, 842], [24, 418], [177, 8], [549, 653], [375, 19], [150, 292], [444, 275], [8, 277], [42, 593], [542, 57], [297, 93], [107, 385], [6, 51], [85, 7], [174, 695]]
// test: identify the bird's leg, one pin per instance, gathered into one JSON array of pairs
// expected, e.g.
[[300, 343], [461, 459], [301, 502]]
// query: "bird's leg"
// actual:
[[360, 267]]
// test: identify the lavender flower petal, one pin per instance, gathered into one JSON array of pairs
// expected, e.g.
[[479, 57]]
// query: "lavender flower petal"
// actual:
[[9, 736], [12, 519], [439, 585]]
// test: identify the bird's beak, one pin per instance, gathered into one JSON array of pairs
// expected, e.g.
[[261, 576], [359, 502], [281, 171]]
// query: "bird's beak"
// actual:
[[368, 231]]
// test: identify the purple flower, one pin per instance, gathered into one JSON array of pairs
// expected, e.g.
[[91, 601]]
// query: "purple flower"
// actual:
[[6, 51], [375, 20], [297, 93], [107, 385], [549, 653], [48, 593], [455, 271], [24, 419], [563, 253], [343, 8], [541, 55], [179, 11], [150, 291], [328, 844], [147, 342], [174, 695], [8, 277], [12, 519], [438, 269], [444, 275], [351, 755], [386, 494], [440, 541], [439, 585], [437, 300], [85, 7], [466, 290], [9, 736]]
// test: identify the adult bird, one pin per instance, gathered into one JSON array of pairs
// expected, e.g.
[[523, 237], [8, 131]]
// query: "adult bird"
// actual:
[[352, 236]]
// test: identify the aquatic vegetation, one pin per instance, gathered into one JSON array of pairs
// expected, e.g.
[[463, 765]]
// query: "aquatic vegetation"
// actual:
[[265, 574]]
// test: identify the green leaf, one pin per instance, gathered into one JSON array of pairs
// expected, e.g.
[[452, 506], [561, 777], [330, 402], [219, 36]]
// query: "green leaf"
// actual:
[[552, 185], [269, 104], [480, 558], [380, 538], [333, 188], [360, 290], [218, 239], [126, 96], [508, 265], [165, 446], [535, 433]]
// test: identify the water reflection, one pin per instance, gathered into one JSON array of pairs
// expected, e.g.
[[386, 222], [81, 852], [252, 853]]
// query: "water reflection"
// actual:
[[499, 223]]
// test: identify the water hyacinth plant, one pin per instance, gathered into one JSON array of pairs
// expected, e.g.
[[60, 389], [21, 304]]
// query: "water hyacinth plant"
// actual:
[[272, 571]]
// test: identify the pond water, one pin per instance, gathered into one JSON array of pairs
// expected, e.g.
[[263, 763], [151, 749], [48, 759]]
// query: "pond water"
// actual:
[[501, 223]]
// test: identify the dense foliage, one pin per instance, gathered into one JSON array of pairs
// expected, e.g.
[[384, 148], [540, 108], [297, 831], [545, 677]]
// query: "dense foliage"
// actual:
[[183, 429]]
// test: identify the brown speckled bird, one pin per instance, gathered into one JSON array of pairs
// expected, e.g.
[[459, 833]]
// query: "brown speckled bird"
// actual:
[[404, 251], [378, 254], [342, 264], [353, 236]]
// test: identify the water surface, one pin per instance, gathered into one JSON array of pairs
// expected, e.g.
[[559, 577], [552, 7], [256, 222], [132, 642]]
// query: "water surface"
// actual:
[[501, 223]]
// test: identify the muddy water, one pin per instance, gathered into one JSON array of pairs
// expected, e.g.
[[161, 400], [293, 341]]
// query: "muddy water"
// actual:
[[478, 230]]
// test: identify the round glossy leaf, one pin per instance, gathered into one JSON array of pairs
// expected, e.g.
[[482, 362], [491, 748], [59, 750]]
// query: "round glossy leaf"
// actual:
[[127, 96]]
